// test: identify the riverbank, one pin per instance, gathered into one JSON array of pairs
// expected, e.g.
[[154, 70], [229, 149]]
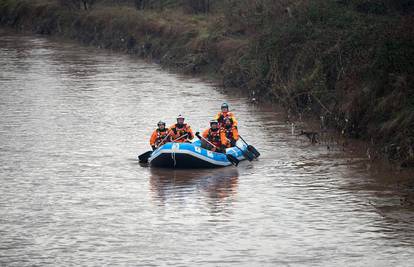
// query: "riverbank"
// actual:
[[348, 63]]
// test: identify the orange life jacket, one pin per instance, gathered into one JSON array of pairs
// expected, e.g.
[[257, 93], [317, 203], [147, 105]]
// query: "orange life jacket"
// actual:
[[214, 137], [221, 116], [178, 132], [158, 136], [229, 135]]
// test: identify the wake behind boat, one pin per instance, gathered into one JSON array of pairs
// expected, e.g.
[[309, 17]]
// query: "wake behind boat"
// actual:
[[192, 155]]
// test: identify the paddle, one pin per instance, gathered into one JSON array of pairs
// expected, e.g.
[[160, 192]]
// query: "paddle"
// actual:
[[143, 158], [249, 156], [251, 148], [163, 140], [233, 160], [181, 137]]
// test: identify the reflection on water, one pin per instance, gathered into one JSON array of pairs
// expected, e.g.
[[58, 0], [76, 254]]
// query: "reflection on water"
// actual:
[[72, 119], [216, 184]]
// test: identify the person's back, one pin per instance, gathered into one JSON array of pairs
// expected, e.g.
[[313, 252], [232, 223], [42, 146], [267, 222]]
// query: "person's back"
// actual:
[[181, 132], [160, 136], [225, 113]]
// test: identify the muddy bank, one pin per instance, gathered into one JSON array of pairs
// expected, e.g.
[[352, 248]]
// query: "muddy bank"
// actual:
[[347, 63]]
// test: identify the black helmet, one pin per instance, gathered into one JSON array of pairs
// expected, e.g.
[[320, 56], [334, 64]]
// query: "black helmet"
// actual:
[[225, 105], [161, 123]]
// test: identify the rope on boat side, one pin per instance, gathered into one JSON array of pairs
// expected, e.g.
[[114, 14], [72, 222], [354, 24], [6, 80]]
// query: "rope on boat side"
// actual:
[[174, 147]]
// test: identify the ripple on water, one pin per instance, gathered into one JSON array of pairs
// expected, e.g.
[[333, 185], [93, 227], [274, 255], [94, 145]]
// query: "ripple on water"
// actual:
[[72, 120]]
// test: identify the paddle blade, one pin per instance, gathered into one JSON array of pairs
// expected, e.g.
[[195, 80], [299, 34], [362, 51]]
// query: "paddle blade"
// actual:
[[249, 156], [143, 158], [253, 150], [233, 160]]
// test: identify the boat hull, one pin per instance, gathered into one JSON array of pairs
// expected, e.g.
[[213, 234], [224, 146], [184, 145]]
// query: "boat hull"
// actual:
[[192, 155]]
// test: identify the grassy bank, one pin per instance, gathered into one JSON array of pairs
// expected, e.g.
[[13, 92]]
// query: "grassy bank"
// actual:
[[348, 62]]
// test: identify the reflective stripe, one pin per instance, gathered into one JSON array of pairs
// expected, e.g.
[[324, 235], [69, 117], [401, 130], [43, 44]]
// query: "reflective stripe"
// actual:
[[161, 136]]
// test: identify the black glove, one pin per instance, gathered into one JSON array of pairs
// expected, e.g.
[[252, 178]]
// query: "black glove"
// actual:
[[154, 147]]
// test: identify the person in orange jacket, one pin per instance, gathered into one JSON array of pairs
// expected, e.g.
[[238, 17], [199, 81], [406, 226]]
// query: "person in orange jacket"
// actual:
[[225, 113], [229, 133], [213, 135], [160, 136], [181, 132]]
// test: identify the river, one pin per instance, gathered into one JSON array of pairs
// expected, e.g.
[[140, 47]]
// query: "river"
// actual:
[[73, 120]]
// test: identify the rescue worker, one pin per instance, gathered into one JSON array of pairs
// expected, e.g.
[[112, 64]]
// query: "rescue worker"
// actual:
[[225, 113], [181, 132], [229, 133], [160, 136], [213, 135]]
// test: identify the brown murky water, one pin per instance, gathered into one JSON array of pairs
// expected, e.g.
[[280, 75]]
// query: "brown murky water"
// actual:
[[73, 120]]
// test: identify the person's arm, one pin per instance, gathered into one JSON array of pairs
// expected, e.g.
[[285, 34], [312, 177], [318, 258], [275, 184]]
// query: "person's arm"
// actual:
[[205, 134], [234, 120], [190, 133], [153, 139], [223, 139], [217, 116], [173, 136], [235, 133]]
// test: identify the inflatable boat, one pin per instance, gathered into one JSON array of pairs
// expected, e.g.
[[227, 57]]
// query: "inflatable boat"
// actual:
[[192, 155]]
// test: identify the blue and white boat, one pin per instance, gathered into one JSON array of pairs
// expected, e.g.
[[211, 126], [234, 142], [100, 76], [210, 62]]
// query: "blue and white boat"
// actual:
[[192, 155]]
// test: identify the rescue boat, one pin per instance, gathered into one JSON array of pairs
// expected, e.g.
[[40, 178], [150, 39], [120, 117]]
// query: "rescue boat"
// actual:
[[192, 155]]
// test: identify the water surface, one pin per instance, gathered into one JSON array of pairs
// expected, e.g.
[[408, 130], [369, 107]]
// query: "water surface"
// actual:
[[72, 121]]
